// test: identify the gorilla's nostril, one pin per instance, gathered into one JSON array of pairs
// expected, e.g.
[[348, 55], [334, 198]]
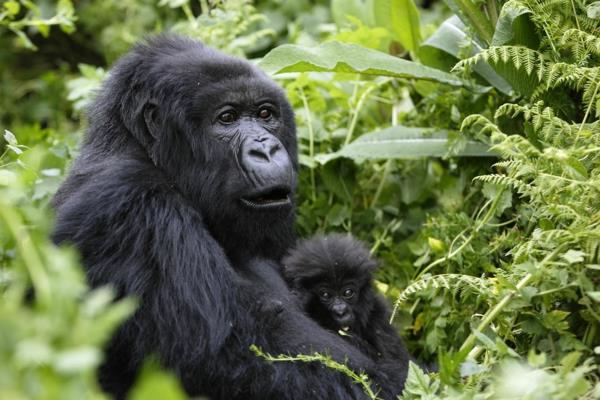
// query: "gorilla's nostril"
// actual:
[[259, 154], [274, 149]]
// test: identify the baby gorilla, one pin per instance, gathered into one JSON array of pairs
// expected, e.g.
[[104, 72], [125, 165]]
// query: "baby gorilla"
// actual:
[[332, 277]]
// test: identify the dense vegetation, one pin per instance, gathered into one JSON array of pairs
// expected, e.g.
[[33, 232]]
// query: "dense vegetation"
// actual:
[[460, 139]]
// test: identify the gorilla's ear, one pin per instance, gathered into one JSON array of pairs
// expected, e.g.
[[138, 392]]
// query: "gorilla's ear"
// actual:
[[151, 118]]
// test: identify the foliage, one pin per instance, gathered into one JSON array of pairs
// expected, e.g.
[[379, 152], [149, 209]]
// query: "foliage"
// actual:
[[360, 378], [491, 256], [51, 325]]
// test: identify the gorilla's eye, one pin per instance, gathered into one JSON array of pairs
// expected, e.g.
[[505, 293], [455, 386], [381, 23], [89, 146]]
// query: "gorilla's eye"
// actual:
[[348, 293], [227, 117], [264, 113], [324, 295]]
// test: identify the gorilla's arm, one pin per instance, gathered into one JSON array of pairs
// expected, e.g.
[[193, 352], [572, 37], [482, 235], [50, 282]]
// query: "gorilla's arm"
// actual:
[[138, 234]]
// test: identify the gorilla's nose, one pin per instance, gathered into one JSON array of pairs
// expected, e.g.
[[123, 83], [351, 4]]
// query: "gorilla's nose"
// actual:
[[340, 310], [266, 157], [268, 169], [264, 150]]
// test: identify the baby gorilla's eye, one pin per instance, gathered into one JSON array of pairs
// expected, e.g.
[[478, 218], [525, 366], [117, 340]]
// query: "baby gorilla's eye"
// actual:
[[324, 295], [264, 113], [227, 117], [348, 293]]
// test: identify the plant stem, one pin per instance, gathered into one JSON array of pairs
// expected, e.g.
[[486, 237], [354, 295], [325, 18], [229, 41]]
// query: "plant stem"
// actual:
[[189, 14], [386, 172], [492, 10], [575, 14], [589, 108], [355, 113], [311, 144]]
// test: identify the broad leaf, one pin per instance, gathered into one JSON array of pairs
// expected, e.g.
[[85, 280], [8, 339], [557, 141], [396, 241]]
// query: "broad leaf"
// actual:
[[402, 142], [341, 57], [450, 38], [514, 26], [401, 19]]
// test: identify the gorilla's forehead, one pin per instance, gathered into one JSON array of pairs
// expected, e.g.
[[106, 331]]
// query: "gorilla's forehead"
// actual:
[[240, 90]]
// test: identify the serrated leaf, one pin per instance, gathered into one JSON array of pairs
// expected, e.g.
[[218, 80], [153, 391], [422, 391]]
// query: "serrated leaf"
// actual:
[[341, 57], [400, 142]]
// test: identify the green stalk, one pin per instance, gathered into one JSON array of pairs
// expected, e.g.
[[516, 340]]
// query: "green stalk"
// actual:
[[386, 172], [29, 254], [359, 106], [311, 144]]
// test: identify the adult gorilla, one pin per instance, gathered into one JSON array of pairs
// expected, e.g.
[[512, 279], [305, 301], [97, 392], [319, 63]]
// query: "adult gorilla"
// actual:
[[182, 196]]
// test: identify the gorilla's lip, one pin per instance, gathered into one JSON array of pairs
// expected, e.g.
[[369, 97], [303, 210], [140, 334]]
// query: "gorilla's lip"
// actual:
[[273, 197]]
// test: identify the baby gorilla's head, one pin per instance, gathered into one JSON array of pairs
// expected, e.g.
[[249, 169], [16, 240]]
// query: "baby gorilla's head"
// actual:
[[332, 275]]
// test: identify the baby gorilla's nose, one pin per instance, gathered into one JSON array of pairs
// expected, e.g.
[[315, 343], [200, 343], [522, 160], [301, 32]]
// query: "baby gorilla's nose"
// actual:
[[340, 309]]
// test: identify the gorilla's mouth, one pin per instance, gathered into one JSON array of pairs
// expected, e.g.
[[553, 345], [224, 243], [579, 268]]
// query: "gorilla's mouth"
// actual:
[[277, 196]]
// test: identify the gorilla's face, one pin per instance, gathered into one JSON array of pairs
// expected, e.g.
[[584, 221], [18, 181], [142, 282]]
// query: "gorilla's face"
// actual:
[[247, 122], [225, 134]]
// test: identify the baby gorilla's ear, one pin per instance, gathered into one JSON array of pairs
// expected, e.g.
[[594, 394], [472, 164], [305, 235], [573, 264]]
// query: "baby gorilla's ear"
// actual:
[[373, 264]]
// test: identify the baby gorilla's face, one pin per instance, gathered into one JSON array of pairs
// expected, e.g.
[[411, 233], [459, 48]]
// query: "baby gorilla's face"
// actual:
[[339, 302]]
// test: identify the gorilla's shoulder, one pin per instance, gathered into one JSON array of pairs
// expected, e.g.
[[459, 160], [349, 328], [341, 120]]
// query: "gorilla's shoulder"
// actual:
[[113, 182]]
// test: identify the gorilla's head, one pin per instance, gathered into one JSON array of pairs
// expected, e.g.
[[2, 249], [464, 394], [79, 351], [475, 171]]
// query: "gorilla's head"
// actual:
[[218, 129]]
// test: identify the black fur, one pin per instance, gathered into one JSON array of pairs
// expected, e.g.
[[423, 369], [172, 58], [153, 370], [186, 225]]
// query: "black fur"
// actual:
[[154, 204], [331, 265]]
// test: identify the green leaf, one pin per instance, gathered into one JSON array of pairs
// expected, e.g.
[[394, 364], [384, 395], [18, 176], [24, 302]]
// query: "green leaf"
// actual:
[[10, 137], [77, 359], [449, 40], [341, 9], [511, 10], [574, 256], [401, 142], [12, 7], [401, 18], [594, 296], [472, 16], [156, 384], [593, 10], [341, 57], [491, 191], [418, 383], [172, 3]]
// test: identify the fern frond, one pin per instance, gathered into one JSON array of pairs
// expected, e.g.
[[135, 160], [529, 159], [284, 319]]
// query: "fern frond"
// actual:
[[507, 165], [576, 38], [591, 93], [518, 56], [458, 282], [544, 121], [505, 181]]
